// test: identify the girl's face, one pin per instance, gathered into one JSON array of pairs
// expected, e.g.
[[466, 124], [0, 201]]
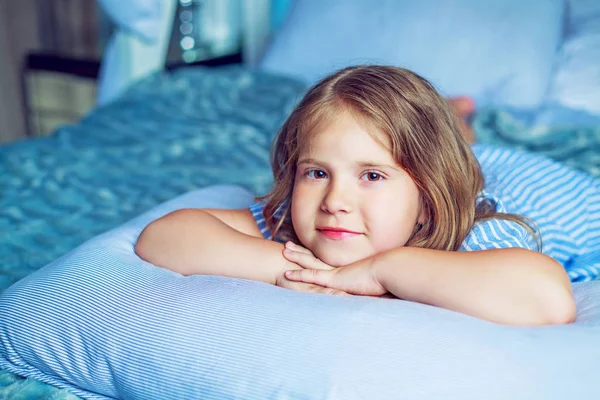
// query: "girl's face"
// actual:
[[351, 199]]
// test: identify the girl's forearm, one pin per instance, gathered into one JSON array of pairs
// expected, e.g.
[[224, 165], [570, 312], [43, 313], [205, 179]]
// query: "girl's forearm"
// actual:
[[207, 246], [511, 286]]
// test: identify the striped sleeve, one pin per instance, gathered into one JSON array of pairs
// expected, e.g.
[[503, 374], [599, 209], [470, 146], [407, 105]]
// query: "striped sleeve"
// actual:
[[498, 234], [585, 267], [257, 212]]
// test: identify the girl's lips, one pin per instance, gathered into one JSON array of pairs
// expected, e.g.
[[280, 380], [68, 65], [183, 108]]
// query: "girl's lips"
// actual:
[[337, 234]]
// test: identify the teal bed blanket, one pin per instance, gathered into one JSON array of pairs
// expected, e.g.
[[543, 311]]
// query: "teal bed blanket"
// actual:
[[169, 134]]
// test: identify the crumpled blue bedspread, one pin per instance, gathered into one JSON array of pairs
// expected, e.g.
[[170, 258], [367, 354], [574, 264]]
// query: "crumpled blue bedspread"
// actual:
[[169, 134]]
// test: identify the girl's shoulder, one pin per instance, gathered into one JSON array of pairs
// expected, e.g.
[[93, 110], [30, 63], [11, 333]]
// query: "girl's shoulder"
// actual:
[[525, 178], [511, 161], [257, 209], [495, 233], [490, 155]]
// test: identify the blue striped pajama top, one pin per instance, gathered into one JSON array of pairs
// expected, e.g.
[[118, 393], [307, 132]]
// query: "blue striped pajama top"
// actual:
[[563, 203]]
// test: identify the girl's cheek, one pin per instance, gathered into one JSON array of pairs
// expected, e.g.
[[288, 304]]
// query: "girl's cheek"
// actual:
[[301, 188]]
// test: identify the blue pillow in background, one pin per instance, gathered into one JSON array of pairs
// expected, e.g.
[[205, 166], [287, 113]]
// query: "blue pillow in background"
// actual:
[[574, 94], [501, 53]]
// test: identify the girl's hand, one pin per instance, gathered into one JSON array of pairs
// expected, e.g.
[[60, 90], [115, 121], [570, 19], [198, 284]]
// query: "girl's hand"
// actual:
[[356, 278], [283, 282], [303, 257]]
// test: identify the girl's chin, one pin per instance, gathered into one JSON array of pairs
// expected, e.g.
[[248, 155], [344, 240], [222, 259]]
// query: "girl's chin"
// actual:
[[338, 260]]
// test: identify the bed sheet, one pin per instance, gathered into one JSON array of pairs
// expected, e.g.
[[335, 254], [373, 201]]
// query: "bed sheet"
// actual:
[[169, 134]]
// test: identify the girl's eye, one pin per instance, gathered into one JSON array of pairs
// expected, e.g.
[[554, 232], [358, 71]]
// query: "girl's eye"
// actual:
[[372, 176], [316, 174]]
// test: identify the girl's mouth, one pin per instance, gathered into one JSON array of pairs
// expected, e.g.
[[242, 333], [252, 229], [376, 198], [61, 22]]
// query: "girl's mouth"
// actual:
[[337, 233]]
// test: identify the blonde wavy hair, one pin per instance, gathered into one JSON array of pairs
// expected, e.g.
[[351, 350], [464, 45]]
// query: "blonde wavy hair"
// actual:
[[425, 142]]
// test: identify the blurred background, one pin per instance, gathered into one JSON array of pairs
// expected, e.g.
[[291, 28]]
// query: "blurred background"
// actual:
[[50, 53], [538, 59]]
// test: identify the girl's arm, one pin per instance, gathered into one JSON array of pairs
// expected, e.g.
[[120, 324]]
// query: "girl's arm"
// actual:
[[511, 286], [213, 242]]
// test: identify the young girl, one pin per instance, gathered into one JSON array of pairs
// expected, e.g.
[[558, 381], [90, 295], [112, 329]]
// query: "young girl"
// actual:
[[376, 193]]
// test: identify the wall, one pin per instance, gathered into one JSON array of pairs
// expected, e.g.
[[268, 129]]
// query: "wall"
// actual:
[[18, 34], [65, 27]]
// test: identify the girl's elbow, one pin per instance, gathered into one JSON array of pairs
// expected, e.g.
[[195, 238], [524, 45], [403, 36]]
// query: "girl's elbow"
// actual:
[[154, 240], [561, 309], [163, 242], [146, 243], [550, 297], [561, 304], [556, 304], [546, 309]]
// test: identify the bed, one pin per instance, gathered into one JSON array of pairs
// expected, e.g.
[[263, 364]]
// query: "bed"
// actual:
[[179, 131], [130, 155]]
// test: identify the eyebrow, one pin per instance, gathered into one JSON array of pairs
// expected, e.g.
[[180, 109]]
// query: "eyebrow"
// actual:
[[362, 164]]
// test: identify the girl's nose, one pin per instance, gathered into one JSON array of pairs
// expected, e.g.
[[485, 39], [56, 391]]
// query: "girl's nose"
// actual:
[[336, 199]]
